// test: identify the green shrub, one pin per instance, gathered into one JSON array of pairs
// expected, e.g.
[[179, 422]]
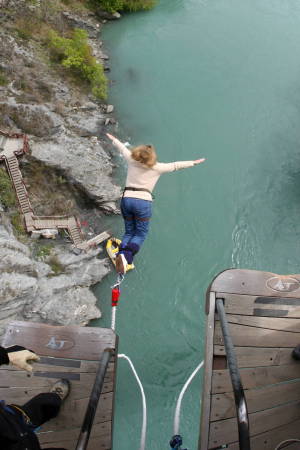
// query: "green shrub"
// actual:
[[137, 5], [110, 5], [125, 5], [7, 193], [75, 54], [55, 265]]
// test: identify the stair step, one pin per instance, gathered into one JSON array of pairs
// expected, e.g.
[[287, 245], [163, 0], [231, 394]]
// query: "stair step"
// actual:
[[24, 204], [22, 196]]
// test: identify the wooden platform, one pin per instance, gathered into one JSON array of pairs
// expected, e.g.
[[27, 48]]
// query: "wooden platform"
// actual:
[[66, 352], [263, 311]]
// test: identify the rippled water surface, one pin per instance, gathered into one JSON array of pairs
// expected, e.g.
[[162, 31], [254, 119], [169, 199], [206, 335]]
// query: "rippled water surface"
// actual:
[[213, 78]]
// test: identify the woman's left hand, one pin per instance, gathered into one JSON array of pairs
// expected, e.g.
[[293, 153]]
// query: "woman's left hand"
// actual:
[[110, 136], [199, 161]]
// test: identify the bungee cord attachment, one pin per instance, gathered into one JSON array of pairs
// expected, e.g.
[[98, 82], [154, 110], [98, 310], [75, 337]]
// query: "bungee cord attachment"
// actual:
[[115, 297]]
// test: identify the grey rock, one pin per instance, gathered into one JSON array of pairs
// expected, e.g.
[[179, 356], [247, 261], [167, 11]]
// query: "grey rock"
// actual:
[[28, 291], [73, 307], [109, 109], [107, 15], [84, 23], [83, 162], [85, 122], [32, 119]]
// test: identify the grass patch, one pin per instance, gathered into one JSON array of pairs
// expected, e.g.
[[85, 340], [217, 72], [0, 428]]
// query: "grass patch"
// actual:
[[55, 265], [3, 79], [44, 251], [49, 191], [75, 55], [17, 223], [76, 5], [7, 193], [24, 28]]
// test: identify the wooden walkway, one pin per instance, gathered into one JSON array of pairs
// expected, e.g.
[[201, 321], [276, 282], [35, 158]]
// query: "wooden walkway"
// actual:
[[66, 352], [263, 311], [17, 144]]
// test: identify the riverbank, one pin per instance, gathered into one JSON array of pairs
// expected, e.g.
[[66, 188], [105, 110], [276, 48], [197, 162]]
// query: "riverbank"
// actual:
[[68, 170]]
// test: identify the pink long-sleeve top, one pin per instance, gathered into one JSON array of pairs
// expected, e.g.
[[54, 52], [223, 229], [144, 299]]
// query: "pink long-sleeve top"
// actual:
[[141, 176]]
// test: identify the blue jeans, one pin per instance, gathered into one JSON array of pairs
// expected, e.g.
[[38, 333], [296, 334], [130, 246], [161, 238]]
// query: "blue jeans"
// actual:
[[136, 214]]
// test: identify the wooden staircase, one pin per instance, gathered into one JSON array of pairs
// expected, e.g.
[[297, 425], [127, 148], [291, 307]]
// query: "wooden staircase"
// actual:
[[12, 145], [17, 180]]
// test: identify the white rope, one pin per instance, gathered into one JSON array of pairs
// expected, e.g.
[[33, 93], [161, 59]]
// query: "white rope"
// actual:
[[178, 405], [113, 317], [287, 441], [144, 424]]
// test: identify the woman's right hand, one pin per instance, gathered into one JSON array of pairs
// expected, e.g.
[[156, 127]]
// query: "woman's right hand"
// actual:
[[199, 161], [21, 358]]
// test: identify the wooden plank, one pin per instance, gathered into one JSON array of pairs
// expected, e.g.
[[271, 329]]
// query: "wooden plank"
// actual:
[[15, 379], [249, 305], [93, 444], [100, 437], [72, 413], [223, 405], [68, 434], [255, 377], [225, 431], [60, 341], [243, 335], [259, 356], [257, 283], [20, 395], [271, 323], [270, 439], [207, 377]]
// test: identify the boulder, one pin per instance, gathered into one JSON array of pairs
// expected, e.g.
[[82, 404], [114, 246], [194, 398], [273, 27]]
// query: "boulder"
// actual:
[[30, 290]]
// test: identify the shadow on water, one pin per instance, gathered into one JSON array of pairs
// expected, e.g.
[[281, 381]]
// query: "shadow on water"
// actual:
[[132, 75]]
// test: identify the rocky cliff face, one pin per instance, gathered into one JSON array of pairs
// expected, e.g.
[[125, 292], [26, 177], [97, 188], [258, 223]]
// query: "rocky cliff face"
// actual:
[[59, 118], [63, 123]]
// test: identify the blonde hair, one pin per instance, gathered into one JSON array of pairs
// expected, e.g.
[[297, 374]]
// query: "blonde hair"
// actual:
[[144, 154]]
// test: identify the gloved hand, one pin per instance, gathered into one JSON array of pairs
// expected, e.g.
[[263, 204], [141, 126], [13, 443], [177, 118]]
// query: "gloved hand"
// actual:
[[21, 358]]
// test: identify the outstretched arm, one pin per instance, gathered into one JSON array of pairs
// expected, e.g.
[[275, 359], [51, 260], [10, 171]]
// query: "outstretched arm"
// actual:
[[120, 146], [177, 165]]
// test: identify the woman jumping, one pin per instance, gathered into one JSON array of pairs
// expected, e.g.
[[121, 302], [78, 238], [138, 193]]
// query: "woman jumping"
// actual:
[[136, 204]]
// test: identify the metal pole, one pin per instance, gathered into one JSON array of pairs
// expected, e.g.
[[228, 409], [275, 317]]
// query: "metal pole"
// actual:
[[93, 402], [239, 396]]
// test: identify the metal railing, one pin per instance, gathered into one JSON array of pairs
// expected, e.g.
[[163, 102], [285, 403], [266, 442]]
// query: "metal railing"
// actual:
[[93, 402], [239, 396]]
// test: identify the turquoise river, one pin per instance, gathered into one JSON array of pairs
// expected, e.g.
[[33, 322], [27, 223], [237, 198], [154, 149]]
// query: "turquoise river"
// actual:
[[201, 78]]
